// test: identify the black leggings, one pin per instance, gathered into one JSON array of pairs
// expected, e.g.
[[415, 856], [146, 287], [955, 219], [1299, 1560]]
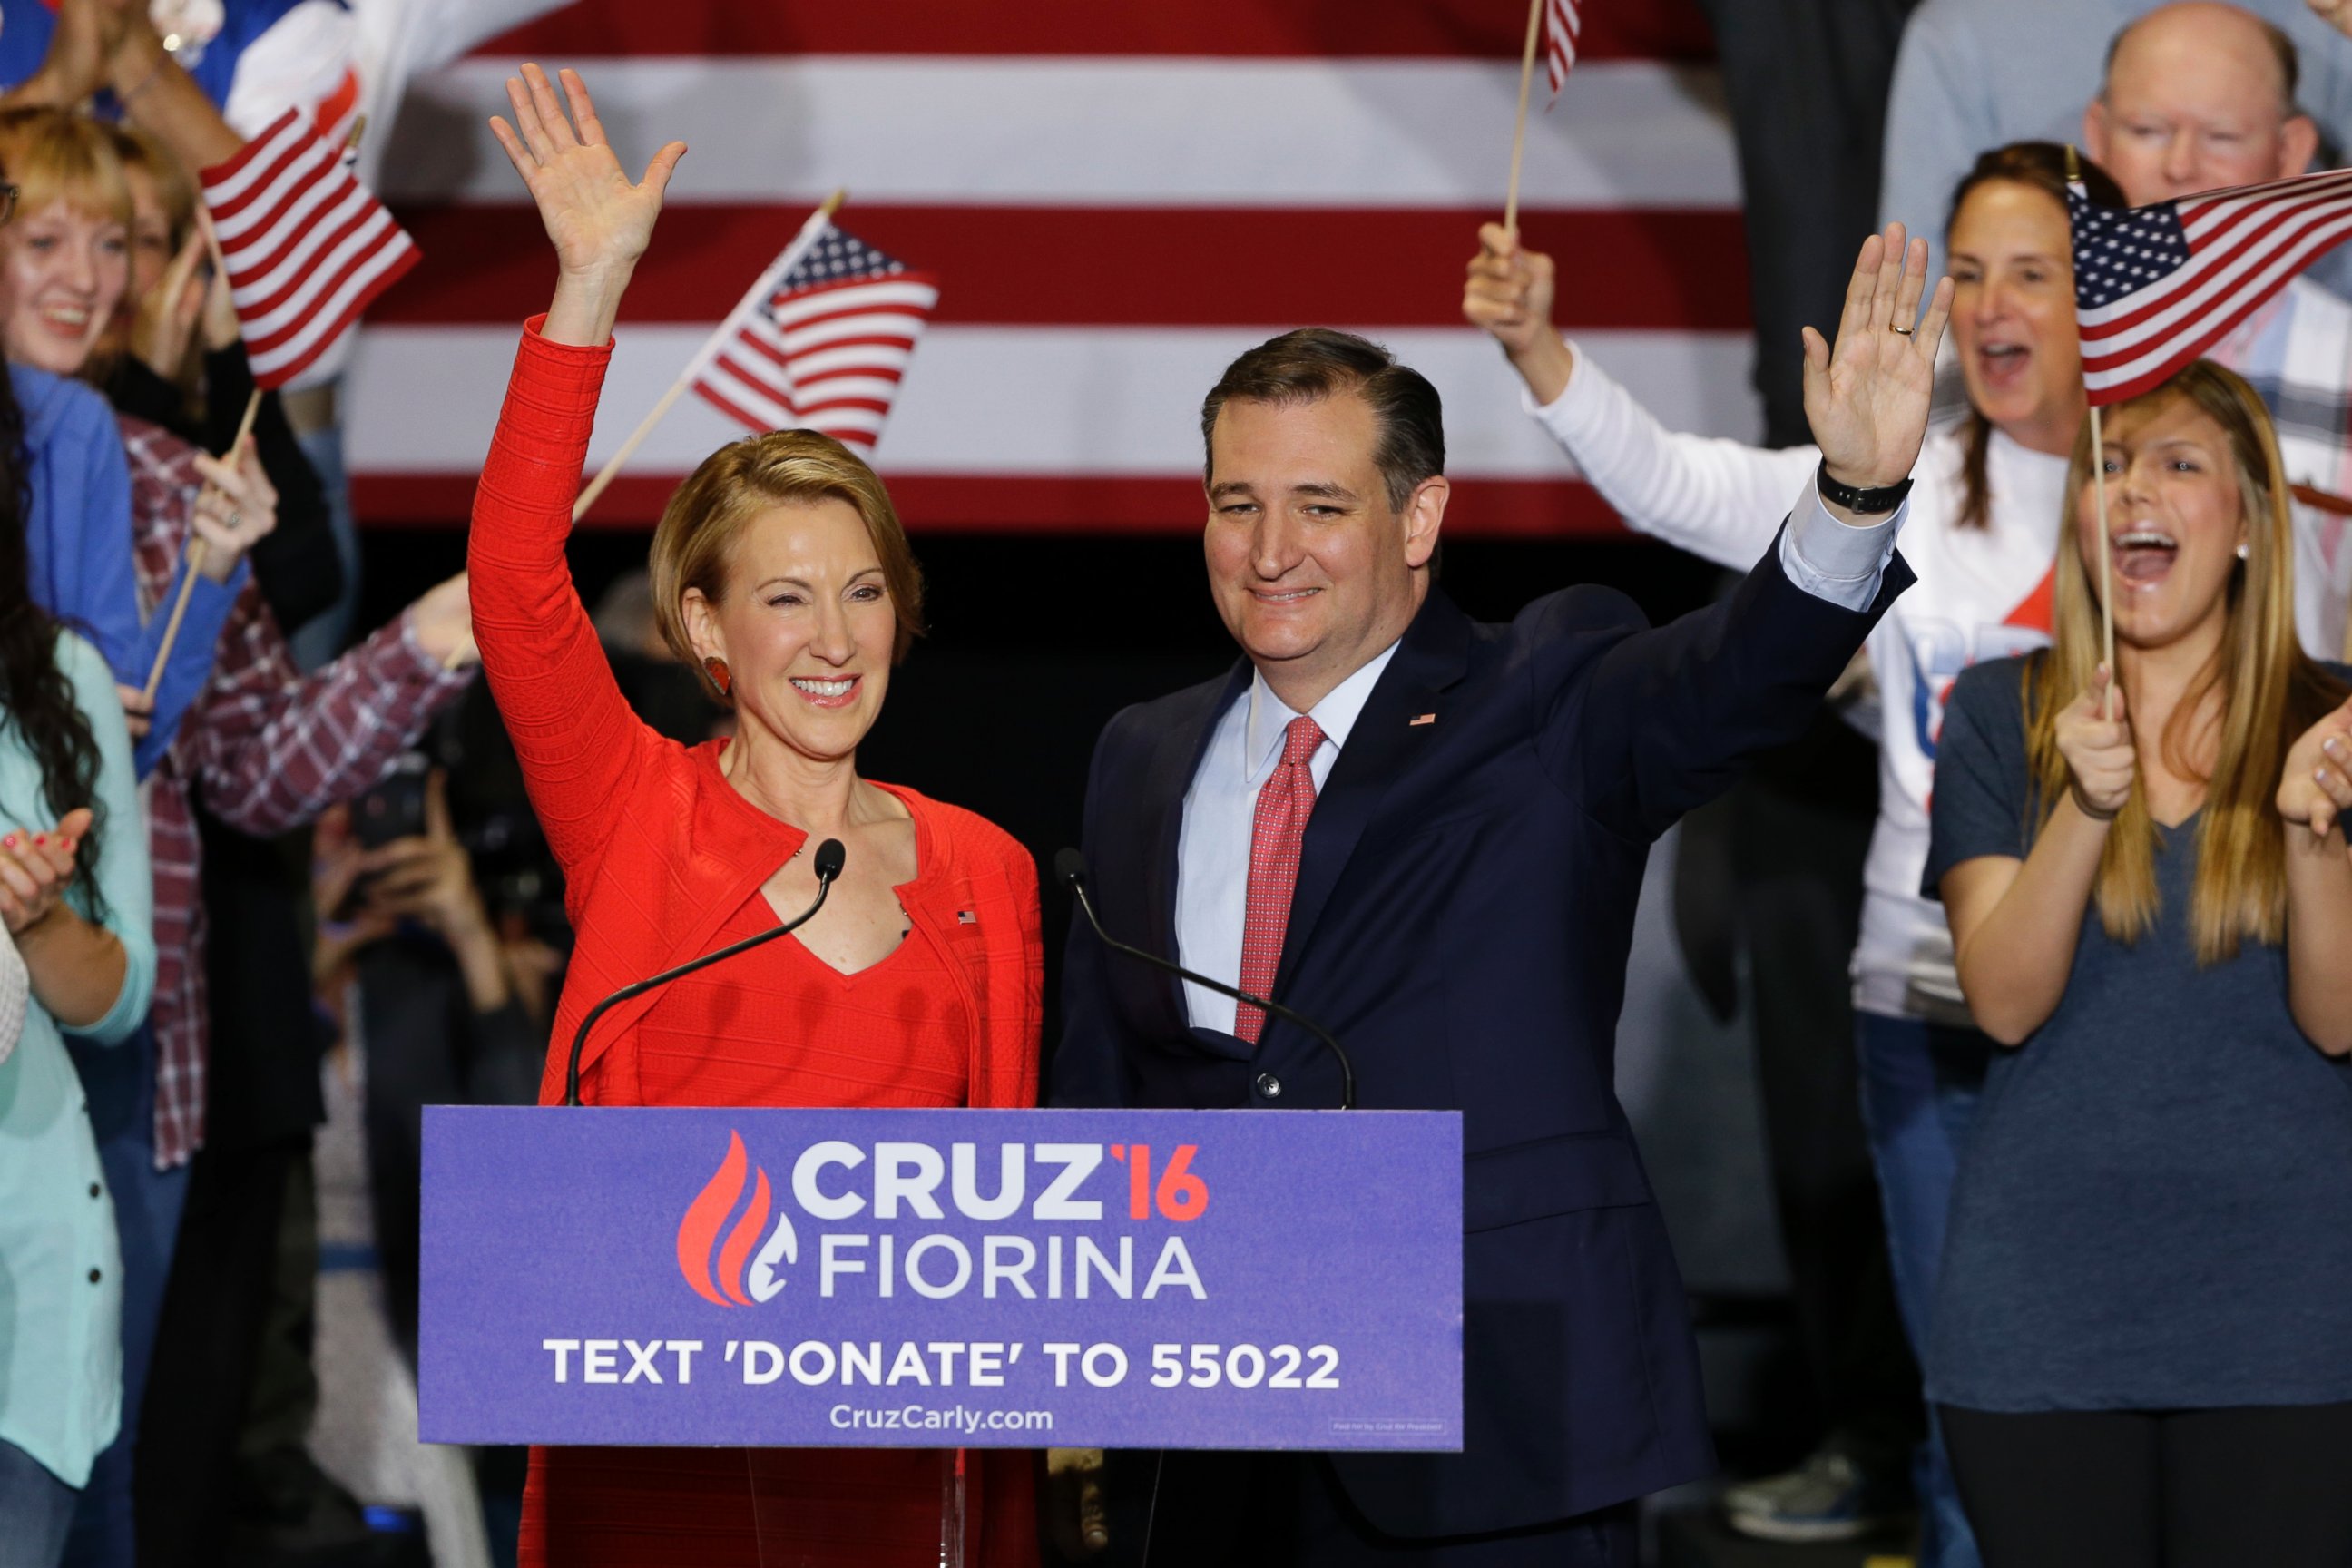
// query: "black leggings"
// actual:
[[2266, 1485]]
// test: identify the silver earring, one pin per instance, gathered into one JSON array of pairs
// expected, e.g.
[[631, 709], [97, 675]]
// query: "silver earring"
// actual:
[[2244, 551]]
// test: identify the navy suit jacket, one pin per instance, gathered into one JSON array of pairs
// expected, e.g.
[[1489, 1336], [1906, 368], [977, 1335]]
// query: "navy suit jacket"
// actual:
[[1461, 920]]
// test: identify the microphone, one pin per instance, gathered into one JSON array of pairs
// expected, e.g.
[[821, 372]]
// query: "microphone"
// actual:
[[1070, 870], [829, 857]]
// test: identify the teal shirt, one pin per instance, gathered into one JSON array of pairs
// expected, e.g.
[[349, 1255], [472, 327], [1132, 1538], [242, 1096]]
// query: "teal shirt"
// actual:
[[60, 1266]]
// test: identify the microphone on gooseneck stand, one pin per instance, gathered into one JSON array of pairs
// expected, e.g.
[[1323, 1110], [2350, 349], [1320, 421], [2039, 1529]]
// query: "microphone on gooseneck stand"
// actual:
[[829, 857], [1070, 870]]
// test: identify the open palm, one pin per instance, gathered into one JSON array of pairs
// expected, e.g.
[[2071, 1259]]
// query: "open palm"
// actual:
[[1867, 398], [597, 219]]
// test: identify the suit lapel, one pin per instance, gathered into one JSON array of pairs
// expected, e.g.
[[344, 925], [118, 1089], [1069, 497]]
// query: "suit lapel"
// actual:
[[1384, 742]]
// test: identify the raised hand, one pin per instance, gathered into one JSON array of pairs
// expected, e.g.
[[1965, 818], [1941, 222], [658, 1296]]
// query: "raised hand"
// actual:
[[1509, 292], [2099, 748], [599, 221], [85, 36], [2315, 789], [238, 508], [1867, 398]]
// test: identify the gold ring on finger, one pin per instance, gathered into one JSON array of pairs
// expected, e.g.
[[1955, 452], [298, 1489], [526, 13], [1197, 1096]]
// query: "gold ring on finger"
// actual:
[[1902, 331]]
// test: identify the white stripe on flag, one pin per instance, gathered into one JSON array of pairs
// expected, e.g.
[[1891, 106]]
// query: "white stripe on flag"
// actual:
[[1113, 401], [1167, 132]]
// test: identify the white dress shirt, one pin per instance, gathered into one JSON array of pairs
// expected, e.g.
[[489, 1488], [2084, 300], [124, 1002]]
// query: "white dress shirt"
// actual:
[[1826, 558], [1213, 854]]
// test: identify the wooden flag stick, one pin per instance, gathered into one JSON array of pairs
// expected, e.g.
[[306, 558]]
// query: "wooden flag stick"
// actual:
[[761, 289], [2107, 566], [195, 561], [1520, 131]]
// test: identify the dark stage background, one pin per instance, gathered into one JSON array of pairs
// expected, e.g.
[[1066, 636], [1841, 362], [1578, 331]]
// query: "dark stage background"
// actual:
[[1037, 641]]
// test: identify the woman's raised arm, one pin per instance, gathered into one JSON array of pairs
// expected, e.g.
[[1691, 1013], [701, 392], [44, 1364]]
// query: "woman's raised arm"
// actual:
[[578, 741]]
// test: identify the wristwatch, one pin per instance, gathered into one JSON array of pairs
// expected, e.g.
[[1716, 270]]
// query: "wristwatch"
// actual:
[[1869, 503]]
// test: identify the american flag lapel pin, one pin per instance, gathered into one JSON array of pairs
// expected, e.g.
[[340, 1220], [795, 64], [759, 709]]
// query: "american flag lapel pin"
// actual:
[[1421, 719], [966, 918]]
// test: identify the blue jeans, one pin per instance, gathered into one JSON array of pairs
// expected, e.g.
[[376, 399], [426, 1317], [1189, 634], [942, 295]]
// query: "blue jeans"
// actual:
[[1919, 1088], [118, 1081], [317, 642], [36, 1508]]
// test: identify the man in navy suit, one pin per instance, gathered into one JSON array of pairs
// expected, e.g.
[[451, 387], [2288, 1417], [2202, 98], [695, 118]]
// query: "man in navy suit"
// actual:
[[1428, 834]]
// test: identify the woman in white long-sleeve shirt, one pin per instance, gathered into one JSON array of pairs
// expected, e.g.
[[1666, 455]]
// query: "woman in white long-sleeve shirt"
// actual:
[[1983, 534]]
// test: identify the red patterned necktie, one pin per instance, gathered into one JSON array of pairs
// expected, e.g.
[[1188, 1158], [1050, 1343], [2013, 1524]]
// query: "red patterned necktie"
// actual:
[[1278, 833]]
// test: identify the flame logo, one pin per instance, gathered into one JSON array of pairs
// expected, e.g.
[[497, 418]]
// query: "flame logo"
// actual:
[[733, 1285]]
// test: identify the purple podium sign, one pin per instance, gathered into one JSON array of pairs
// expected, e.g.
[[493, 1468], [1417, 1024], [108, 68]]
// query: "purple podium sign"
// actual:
[[925, 1279]]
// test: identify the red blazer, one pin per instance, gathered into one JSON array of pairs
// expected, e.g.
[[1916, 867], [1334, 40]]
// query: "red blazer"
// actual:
[[657, 848]]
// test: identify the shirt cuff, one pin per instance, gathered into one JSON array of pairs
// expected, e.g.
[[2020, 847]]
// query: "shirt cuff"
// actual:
[[1836, 561], [1564, 416]]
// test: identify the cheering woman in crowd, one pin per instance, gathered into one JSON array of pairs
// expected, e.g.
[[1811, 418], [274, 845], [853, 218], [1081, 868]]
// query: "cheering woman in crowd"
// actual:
[[60, 255], [2140, 1337], [1984, 520], [780, 570], [75, 893]]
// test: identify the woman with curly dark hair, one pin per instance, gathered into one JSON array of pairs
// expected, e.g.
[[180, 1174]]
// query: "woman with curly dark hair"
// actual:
[[76, 894]]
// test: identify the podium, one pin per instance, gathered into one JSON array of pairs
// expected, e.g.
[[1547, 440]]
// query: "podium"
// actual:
[[951, 1281]]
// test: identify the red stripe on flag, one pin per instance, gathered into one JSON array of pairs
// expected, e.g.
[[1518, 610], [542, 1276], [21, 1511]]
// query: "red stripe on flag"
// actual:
[[1653, 269], [1455, 29], [1047, 503]]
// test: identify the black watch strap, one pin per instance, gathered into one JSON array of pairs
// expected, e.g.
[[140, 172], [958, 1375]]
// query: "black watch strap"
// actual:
[[1869, 503]]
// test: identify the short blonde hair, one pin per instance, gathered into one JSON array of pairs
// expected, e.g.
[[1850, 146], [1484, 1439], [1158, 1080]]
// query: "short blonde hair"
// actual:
[[694, 543], [54, 154]]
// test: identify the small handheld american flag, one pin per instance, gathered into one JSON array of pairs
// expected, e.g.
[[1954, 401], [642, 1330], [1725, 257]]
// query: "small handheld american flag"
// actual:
[[1560, 26], [307, 248], [827, 348], [2157, 286]]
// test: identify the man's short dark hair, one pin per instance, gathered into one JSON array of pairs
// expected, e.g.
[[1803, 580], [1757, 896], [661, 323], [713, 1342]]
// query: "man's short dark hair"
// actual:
[[1313, 363]]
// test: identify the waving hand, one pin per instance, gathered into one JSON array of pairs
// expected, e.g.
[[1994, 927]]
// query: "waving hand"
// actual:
[[599, 221], [1867, 397]]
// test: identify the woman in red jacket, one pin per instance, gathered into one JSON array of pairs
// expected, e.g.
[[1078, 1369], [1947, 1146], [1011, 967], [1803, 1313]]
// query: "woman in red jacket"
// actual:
[[780, 570]]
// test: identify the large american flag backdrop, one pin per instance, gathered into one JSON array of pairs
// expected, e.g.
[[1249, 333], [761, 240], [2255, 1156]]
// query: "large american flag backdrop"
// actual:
[[1116, 200]]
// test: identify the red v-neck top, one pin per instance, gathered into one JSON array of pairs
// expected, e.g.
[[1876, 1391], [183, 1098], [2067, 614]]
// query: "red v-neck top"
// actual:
[[781, 1026], [663, 860]]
